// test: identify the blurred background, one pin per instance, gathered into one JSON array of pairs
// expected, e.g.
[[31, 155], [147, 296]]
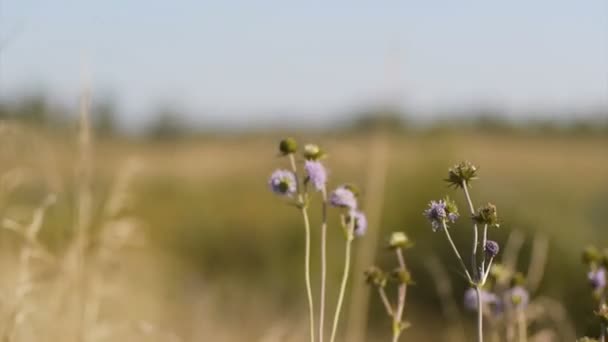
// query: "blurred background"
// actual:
[[137, 139]]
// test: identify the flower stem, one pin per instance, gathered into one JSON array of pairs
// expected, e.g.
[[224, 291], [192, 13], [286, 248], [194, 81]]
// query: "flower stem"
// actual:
[[397, 325], [483, 245], [522, 326], [602, 324], [306, 252], [385, 301], [349, 240], [464, 267], [479, 314], [323, 264], [476, 231]]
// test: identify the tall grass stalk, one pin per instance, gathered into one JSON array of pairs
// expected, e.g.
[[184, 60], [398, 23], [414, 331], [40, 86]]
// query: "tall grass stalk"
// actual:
[[323, 264]]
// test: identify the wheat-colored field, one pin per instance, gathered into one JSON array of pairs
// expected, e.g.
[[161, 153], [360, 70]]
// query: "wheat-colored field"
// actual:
[[121, 239]]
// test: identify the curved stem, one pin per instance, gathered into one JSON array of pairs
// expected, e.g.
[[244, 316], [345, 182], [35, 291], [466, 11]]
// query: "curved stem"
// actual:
[[323, 265], [342, 286], [479, 314], [464, 267], [306, 252], [475, 230]]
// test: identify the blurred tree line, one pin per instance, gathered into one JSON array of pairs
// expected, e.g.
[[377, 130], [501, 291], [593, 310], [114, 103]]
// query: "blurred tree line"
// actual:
[[168, 124]]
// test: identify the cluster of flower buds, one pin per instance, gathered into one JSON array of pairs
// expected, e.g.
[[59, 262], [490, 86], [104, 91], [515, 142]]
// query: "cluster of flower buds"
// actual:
[[462, 174], [487, 215]]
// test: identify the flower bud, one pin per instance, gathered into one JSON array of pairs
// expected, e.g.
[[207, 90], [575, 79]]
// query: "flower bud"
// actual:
[[375, 276], [491, 248], [313, 152], [288, 146], [402, 276], [462, 173], [591, 255], [487, 215], [399, 240]]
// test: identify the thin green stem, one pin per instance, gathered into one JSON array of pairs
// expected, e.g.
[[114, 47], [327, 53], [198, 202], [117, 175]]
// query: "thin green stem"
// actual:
[[304, 211], [479, 314], [323, 264], [349, 240], [483, 245], [464, 267], [475, 231], [602, 324]]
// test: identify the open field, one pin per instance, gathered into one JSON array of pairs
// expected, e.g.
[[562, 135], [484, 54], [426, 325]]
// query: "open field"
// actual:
[[212, 255]]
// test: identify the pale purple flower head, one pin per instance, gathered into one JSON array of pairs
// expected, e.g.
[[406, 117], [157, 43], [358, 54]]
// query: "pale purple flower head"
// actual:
[[597, 278], [491, 248], [360, 222], [518, 297], [343, 197], [436, 214], [316, 174], [470, 298], [283, 182]]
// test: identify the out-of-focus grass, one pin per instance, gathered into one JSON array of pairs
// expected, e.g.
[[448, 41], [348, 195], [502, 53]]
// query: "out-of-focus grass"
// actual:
[[236, 252]]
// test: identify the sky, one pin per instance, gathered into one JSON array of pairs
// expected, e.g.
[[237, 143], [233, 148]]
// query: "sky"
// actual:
[[259, 62]]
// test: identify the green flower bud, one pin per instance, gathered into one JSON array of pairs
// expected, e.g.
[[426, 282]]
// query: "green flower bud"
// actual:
[[602, 313], [518, 279], [399, 240], [375, 276], [487, 215], [402, 276], [313, 152], [591, 255], [288, 146], [459, 174]]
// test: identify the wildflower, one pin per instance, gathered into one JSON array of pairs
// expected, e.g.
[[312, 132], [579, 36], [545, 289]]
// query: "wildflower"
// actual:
[[597, 278], [518, 297], [283, 182], [462, 173], [316, 174], [375, 276], [313, 152], [343, 197], [591, 255], [439, 212], [288, 146], [487, 215], [399, 240], [360, 222], [491, 248], [470, 298], [402, 276]]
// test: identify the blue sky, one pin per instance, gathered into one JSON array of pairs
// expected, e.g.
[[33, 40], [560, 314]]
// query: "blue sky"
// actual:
[[234, 62]]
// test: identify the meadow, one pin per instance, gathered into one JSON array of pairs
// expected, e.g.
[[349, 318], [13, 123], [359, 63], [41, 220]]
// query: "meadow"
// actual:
[[135, 240]]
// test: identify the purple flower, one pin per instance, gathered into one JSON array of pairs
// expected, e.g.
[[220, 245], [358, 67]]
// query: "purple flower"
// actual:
[[436, 214], [343, 197], [470, 298], [491, 248], [316, 173], [518, 297], [283, 182], [597, 278], [360, 222]]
